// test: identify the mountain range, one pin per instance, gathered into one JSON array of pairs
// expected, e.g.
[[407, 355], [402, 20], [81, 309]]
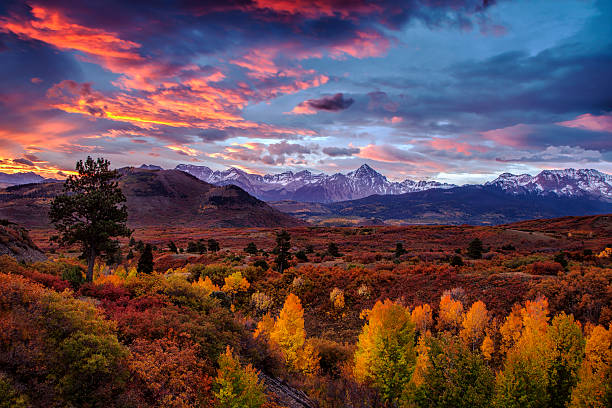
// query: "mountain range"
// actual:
[[13, 179], [155, 198], [305, 186]]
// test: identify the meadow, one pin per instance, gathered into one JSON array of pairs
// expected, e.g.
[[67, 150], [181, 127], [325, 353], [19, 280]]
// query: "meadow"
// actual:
[[419, 316]]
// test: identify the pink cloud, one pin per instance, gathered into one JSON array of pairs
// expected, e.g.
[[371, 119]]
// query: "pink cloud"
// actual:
[[515, 136], [392, 154], [602, 123], [460, 147]]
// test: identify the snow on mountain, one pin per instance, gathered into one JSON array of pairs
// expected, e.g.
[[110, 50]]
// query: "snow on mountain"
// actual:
[[564, 183], [310, 187]]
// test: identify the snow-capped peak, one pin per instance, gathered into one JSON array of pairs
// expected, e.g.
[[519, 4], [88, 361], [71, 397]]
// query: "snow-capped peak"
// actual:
[[567, 183]]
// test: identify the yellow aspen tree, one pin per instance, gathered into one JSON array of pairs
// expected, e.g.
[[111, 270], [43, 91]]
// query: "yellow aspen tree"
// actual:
[[525, 377], [474, 324], [385, 352], [264, 326], [451, 313], [511, 329], [421, 317], [422, 361], [235, 283], [336, 296], [237, 387], [288, 333], [568, 350], [206, 284], [594, 387], [487, 348]]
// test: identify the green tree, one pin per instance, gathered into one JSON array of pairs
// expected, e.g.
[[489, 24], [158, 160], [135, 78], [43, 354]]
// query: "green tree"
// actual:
[[454, 377], [332, 249], [385, 353], [91, 211], [145, 263], [456, 260], [172, 247], [399, 250], [213, 245], [251, 248], [283, 245], [568, 351], [475, 249], [237, 387]]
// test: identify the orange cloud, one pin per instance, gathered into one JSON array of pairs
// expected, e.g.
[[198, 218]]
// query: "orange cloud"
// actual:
[[184, 150], [460, 147], [602, 123]]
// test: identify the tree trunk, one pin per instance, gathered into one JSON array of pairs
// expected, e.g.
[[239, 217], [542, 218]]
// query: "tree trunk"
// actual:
[[91, 260]]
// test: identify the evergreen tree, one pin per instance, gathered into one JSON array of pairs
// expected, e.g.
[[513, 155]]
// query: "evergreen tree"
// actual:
[[251, 248], [172, 247], [145, 263], [213, 245], [283, 245], [332, 249], [475, 249], [91, 211], [399, 250], [456, 260], [301, 256]]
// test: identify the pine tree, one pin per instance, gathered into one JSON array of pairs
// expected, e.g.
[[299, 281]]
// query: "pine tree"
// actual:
[[399, 250], [475, 249], [251, 248], [283, 245], [91, 211], [172, 247], [213, 245], [145, 263], [332, 249]]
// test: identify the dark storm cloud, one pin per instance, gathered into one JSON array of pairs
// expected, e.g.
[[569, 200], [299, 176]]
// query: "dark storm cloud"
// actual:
[[23, 161], [332, 103], [340, 151]]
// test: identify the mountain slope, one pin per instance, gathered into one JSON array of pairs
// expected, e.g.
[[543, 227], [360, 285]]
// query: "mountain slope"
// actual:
[[15, 241], [463, 205], [156, 197]]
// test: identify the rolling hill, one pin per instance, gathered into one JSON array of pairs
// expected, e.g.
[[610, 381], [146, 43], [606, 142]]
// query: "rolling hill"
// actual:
[[155, 198]]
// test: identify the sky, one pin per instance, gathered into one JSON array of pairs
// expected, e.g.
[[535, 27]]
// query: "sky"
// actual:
[[451, 90]]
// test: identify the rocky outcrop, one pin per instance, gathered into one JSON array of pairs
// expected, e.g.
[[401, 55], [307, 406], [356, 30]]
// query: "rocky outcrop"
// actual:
[[15, 241], [283, 394]]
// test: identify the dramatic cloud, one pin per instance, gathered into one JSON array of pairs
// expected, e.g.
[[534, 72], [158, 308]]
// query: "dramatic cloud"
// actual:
[[340, 151], [413, 87], [25, 162], [333, 103], [602, 123]]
